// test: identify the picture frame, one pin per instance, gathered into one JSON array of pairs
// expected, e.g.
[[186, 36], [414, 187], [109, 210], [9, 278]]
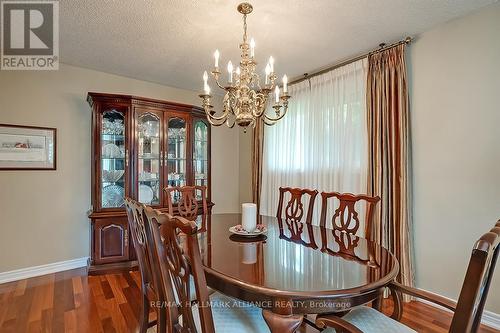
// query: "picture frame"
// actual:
[[27, 147]]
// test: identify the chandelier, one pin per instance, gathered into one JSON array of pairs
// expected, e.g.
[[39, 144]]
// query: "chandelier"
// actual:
[[246, 97]]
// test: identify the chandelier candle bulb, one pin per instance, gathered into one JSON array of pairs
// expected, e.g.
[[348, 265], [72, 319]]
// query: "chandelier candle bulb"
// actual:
[[271, 64], [249, 216], [205, 78], [252, 47], [238, 71], [230, 71], [216, 56], [285, 84], [268, 71]]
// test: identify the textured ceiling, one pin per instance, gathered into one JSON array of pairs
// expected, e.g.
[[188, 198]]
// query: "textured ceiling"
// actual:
[[172, 41]]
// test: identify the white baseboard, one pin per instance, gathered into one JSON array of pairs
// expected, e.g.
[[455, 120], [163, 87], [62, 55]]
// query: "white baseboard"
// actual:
[[489, 318], [25, 273]]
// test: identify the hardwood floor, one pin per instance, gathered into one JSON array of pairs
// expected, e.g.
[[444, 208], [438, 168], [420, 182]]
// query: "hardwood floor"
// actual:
[[72, 302]]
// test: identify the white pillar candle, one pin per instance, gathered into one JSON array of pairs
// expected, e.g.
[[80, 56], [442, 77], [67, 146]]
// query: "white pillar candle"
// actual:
[[249, 216]]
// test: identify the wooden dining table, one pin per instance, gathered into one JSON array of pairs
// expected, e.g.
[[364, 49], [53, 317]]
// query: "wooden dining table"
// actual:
[[294, 269]]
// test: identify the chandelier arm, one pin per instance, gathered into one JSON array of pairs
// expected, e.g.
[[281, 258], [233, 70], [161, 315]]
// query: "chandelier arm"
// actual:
[[216, 79], [221, 118], [267, 122], [278, 117], [224, 115], [215, 122]]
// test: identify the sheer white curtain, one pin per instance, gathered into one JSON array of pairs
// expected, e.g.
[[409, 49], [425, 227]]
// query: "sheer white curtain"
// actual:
[[322, 142]]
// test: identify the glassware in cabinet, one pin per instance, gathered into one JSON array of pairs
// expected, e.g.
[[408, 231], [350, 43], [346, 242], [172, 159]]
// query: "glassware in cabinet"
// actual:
[[176, 153], [149, 158], [200, 154], [113, 158]]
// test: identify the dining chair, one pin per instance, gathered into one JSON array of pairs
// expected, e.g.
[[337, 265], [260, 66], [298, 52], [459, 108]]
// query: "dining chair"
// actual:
[[294, 210], [178, 254], [345, 217], [187, 203], [467, 311], [149, 287]]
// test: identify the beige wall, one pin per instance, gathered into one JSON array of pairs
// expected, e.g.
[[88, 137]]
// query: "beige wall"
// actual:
[[455, 107], [43, 213]]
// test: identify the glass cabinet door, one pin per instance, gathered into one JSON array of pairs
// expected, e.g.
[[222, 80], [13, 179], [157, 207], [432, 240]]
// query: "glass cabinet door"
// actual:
[[149, 159], [176, 152], [200, 153], [113, 158]]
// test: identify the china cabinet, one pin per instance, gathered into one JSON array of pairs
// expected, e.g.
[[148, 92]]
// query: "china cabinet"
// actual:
[[139, 147]]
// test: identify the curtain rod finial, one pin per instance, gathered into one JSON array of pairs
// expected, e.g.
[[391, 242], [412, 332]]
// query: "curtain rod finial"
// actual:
[[408, 40]]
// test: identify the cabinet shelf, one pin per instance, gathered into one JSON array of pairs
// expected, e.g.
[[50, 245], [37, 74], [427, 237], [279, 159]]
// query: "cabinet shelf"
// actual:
[[147, 158], [112, 158]]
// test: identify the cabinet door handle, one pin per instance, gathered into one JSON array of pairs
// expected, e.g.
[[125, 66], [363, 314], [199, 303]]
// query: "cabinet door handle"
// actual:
[[161, 158], [126, 157], [126, 236]]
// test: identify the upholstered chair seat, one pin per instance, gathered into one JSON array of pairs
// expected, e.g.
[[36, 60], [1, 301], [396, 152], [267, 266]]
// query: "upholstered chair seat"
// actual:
[[231, 316], [370, 320]]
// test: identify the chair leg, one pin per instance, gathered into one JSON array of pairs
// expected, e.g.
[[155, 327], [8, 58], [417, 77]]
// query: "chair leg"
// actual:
[[162, 320], [144, 320]]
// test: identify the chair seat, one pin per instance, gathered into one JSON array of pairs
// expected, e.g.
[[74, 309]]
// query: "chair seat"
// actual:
[[234, 316], [231, 316], [370, 320]]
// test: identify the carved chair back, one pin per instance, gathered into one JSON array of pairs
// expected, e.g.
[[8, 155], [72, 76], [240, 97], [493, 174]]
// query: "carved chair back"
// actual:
[[477, 282], [135, 211], [187, 204], [178, 257], [294, 209], [345, 217], [151, 288]]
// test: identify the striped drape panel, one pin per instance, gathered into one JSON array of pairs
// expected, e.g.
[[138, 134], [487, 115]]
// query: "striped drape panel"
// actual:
[[389, 155]]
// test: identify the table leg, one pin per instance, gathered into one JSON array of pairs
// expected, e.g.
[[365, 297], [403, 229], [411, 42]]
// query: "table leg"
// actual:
[[282, 323], [377, 303]]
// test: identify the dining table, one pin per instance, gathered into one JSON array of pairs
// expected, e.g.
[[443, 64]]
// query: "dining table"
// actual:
[[294, 269]]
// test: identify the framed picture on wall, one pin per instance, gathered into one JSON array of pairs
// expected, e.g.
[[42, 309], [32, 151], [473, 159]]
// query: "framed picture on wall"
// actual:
[[27, 147]]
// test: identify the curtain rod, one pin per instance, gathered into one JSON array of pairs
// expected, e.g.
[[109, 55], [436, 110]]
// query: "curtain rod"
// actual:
[[382, 47]]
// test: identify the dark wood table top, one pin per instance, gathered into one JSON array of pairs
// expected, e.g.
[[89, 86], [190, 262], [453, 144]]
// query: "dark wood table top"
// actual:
[[294, 261]]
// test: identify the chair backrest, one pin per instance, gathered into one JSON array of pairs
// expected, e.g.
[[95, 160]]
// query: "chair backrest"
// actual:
[[346, 217], [294, 209], [187, 203], [178, 257], [477, 282], [135, 215]]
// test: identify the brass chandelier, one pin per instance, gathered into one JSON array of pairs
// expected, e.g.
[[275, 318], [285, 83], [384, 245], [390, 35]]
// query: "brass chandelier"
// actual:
[[246, 98]]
